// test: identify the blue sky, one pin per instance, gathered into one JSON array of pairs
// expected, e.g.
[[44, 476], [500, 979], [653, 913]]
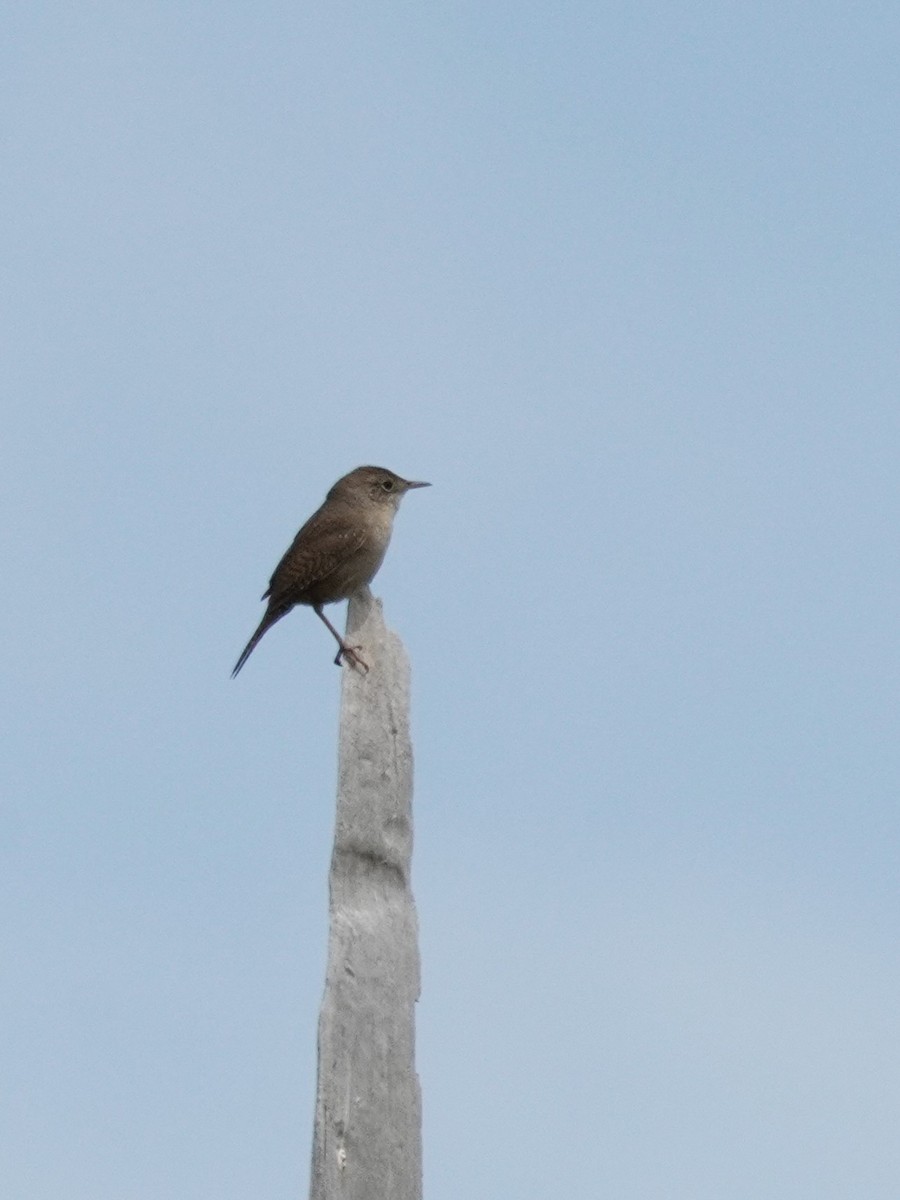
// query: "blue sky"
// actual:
[[622, 282]]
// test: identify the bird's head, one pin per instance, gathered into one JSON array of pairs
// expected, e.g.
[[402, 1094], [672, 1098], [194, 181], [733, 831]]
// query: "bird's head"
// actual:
[[373, 485]]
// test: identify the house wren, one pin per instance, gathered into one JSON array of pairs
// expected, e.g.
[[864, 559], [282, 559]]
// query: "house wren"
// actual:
[[339, 549]]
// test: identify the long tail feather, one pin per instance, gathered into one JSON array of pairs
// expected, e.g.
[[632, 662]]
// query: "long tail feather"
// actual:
[[269, 619]]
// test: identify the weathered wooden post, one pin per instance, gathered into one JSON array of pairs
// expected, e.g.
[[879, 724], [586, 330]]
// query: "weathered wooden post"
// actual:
[[367, 1142]]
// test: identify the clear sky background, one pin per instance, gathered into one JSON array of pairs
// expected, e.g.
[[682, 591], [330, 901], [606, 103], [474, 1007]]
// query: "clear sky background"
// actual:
[[622, 281]]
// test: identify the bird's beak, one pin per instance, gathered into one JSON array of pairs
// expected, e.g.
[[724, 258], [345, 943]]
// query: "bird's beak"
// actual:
[[413, 484]]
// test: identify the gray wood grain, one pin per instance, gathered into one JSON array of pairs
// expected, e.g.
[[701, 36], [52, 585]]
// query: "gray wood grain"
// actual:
[[367, 1143]]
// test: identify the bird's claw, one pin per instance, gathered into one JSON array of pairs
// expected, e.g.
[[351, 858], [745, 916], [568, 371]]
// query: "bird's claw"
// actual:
[[350, 653]]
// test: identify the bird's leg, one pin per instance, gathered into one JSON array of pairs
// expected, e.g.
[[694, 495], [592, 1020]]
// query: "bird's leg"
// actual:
[[346, 650]]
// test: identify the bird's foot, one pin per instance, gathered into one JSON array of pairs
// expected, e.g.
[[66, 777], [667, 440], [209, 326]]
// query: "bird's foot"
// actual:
[[353, 658]]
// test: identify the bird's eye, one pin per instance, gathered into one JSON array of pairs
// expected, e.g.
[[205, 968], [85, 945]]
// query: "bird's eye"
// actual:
[[387, 485]]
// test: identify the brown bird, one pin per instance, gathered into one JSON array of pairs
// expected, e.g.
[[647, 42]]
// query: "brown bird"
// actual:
[[338, 550]]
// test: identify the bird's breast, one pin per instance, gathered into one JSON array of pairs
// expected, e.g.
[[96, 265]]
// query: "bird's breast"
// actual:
[[357, 569]]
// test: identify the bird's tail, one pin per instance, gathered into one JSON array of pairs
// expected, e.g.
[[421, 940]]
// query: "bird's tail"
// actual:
[[269, 619]]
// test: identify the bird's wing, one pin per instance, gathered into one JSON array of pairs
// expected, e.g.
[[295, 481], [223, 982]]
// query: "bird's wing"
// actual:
[[325, 542]]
